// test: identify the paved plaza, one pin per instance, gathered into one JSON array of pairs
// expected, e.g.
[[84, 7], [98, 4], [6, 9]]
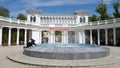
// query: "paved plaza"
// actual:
[[6, 63]]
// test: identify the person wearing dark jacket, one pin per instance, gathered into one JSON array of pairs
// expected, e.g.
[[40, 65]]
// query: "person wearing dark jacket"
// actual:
[[30, 43]]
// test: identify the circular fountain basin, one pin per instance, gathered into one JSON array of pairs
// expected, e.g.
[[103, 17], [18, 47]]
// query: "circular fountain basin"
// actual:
[[67, 51]]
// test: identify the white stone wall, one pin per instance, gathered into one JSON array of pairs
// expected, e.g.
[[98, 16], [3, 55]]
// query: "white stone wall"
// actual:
[[35, 36], [56, 19]]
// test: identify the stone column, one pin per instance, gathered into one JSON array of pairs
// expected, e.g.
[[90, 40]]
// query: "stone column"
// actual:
[[9, 37], [49, 37], [114, 35], [62, 36], [106, 37], [91, 40], [17, 42], [65, 37], [83, 37], [0, 36], [75, 36], [80, 37], [25, 37], [98, 32], [52, 36], [40, 36]]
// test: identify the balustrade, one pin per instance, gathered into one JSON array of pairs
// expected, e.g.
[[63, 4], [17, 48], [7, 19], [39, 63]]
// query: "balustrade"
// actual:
[[59, 20]]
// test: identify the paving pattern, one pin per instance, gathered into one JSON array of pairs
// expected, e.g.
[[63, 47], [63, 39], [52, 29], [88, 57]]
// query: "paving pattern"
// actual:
[[96, 63]]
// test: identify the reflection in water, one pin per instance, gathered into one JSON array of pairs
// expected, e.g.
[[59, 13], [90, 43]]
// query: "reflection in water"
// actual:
[[71, 37]]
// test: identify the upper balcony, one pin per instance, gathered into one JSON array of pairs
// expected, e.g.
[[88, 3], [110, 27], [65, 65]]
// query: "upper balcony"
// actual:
[[21, 22]]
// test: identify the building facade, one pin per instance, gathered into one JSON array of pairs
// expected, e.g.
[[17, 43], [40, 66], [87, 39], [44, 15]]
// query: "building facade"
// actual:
[[59, 28]]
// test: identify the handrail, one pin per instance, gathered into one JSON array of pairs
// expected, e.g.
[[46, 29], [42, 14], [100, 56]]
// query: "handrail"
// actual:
[[102, 22]]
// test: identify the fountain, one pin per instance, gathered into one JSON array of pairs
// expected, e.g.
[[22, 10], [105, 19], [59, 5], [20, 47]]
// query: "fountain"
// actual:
[[67, 51], [70, 51]]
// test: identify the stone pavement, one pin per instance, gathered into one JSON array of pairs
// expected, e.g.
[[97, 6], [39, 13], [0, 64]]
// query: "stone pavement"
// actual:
[[6, 63]]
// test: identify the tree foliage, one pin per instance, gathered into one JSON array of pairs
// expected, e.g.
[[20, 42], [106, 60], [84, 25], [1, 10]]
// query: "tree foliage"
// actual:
[[93, 18], [4, 12], [116, 6], [102, 10], [21, 16]]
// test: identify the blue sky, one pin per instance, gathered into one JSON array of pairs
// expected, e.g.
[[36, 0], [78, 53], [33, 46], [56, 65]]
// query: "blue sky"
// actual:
[[54, 6]]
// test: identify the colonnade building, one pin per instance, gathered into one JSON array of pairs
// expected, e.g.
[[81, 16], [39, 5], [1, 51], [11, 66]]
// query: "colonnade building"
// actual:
[[59, 28]]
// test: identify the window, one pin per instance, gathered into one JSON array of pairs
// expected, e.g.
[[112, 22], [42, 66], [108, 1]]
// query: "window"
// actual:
[[80, 20], [30, 19], [34, 19], [84, 19]]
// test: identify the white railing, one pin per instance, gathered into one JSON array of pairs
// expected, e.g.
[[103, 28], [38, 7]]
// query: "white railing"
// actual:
[[12, 20], [103, 22]]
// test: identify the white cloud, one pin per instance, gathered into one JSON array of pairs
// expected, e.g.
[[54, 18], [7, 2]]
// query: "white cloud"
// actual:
[[35, 3]]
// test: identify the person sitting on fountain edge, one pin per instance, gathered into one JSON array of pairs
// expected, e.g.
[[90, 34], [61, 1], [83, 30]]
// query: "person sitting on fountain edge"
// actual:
[[30, 43]]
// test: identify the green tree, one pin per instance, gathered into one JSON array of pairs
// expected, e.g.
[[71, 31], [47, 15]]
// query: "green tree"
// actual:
[[21, 16], [102, 10], [4, 12], [116, 6], [93, 18]]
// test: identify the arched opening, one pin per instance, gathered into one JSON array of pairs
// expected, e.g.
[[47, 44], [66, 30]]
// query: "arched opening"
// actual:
[[110, 36], [21, 36], [95, 36], [87, 36], [118, 36], [5, 32], [13, 36], [102, 36]]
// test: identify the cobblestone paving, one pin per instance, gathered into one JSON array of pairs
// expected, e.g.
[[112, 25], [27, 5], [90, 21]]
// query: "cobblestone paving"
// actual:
[[6, 63]]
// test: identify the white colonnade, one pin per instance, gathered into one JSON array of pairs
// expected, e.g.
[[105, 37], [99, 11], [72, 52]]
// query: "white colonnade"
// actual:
[[9, 35], [106, 36]]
